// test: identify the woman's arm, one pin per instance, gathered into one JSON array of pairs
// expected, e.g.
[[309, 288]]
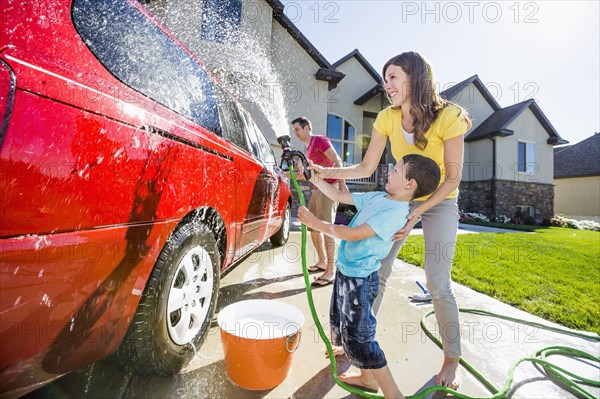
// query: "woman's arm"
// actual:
[[333, 156], [453, 163], [333, 193], [365, 168]]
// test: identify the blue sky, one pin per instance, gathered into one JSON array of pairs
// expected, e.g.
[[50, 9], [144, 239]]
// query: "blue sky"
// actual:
[[546, 50]]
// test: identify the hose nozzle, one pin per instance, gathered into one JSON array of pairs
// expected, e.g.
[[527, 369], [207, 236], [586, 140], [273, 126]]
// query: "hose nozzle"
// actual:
[[288, 157]]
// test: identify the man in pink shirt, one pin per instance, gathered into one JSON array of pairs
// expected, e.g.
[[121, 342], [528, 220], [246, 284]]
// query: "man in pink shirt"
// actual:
[[320, 151]]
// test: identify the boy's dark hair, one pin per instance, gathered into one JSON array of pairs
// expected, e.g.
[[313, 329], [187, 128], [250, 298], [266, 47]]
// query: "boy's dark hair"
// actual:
[[303, 121], [425, 171]]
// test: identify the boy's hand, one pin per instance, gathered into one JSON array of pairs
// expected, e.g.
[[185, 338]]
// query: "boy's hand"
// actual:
[[343, 187], [305, 216], [318, 170], [315, 177]]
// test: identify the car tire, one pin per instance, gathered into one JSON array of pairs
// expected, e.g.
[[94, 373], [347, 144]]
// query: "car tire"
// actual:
[[183, 288], [283, 234]]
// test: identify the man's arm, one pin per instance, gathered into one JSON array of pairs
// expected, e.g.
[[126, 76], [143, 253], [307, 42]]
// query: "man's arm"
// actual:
[[334, 230]]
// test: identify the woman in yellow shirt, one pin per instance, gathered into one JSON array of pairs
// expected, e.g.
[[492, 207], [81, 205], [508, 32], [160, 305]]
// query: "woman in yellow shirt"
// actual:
[[419, 121]]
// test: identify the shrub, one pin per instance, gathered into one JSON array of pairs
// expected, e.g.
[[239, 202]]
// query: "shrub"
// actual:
[[472, 217], [529, 220], [589, 225], [561, 221], [501, 219], [349, 214], [546, 222], [557, 221]]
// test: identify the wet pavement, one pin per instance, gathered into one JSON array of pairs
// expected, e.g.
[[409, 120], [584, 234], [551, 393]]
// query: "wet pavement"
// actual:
[[491, 345]]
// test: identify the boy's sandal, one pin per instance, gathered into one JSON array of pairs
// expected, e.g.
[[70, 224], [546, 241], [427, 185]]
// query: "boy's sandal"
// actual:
[[322, 282], [314, 269]]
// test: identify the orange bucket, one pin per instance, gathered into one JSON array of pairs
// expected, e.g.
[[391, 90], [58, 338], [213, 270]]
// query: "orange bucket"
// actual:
[[259, 338]]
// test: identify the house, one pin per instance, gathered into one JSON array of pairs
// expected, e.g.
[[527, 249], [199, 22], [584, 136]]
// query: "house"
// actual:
[[508, 163], [577, 179], [258, 53]]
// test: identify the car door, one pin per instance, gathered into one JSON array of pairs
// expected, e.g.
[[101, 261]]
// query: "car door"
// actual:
[[273, 179], [262, 199], [248, 178]]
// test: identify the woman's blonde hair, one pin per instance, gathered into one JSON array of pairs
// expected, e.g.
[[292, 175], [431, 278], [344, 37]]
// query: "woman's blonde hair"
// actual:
[[426, 103]]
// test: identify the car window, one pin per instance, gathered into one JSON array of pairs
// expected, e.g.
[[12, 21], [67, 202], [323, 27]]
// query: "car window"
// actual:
[[250, 134], [266, 149], [233, 125], [142, 56]]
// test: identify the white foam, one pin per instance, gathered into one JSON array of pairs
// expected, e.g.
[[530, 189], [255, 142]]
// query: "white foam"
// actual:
[[260, 326]]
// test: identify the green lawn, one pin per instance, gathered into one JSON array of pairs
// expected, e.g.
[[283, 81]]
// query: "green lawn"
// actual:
[[553, 273]]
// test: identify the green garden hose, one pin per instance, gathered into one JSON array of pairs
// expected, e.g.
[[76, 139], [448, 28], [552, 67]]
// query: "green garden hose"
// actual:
[[560, 375]]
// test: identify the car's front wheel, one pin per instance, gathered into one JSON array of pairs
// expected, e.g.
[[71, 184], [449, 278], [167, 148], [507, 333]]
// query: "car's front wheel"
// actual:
[[176, 309]]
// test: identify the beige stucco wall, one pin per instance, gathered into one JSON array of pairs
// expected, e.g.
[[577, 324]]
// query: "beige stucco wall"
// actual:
[[478, 163], [356, 83], [527, 128], [296, 69], [578, 197], [478, 155], [471, 99]]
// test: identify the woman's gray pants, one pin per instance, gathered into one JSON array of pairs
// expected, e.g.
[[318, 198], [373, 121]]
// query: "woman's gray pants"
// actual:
[[440, 226]]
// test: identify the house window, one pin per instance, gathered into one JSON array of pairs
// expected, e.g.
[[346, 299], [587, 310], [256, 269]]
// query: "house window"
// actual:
[[221, 20], [343, 137], [526, 157], [523, 212]]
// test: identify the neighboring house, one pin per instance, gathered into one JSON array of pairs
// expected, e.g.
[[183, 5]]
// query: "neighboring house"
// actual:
[[577, 179], [508, 164]]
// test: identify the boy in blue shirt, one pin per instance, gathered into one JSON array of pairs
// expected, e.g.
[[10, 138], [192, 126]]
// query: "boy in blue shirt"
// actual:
[[366, 240]]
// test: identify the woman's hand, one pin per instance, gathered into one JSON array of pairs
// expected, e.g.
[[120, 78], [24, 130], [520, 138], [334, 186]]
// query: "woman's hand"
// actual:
[[412, 219]]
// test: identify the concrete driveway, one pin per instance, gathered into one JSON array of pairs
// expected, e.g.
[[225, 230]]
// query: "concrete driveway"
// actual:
[[491, 345]]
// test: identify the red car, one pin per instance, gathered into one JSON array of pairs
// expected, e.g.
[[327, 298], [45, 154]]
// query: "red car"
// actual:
[[130, 180]]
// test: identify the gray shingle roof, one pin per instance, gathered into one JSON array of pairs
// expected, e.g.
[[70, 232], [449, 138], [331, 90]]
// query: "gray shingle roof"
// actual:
[[578, 160], [363, 61], [451, 92], [496, 124], [372, 92]]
